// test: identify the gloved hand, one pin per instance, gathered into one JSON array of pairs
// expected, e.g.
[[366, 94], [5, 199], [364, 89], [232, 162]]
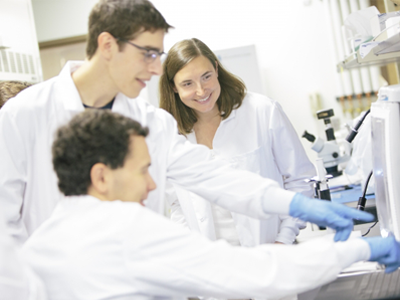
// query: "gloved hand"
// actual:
[[385, 251], [328, 214]]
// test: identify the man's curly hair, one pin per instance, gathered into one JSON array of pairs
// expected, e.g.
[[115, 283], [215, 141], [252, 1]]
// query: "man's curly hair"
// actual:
[[94, 136]]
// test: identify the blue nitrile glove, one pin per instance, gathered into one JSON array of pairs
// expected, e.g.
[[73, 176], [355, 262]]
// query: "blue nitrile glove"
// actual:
[[328, 214], [385, 251]]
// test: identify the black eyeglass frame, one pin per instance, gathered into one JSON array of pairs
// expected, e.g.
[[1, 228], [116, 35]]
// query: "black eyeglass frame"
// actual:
[[150, 55]]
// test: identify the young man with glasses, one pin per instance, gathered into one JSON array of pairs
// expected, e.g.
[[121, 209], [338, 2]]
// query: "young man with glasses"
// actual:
[[116, 70]]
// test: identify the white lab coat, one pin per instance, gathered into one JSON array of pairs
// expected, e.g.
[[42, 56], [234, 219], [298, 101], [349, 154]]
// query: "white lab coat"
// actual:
[[257, 137], [92, 249], [17, 280], [28, 184]]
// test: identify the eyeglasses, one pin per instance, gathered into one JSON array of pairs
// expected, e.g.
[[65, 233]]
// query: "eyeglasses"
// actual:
[[150, 55]]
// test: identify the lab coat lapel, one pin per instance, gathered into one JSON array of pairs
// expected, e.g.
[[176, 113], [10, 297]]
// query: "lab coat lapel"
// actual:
[[200, 208], [204, 217], [192, 137], [132, 108], [67, 92], [248, 230], [197, 212], [121, 105], [231, 116], [187, 208]]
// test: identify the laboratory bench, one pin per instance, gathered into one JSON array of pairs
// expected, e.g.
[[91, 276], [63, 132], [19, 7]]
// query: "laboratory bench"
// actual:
[[364, 280], [347, 194]]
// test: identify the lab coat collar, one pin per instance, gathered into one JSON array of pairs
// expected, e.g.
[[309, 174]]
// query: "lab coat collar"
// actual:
[[70, 96], [231, 116], [121, 105], [192, 136]]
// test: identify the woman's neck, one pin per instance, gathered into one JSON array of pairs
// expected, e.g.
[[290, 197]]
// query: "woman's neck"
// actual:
[[212, 116], [206, 127]]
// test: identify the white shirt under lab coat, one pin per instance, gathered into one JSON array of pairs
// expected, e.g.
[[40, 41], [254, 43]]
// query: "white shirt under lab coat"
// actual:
[[92, 249], [257, 137], [28, 184]]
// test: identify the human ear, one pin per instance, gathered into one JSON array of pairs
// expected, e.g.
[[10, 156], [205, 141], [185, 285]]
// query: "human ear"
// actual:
[[216, 67], [106, 44], [98, 177]]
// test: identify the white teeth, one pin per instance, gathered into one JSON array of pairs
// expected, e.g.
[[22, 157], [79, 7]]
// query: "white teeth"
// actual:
[[202, 100]]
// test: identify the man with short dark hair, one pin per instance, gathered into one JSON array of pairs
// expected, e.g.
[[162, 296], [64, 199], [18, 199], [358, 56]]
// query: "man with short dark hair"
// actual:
[[124, 49], [99, 243], [94, 145]]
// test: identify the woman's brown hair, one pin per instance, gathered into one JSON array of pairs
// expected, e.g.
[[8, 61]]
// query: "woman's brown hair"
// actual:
[[233, 89]]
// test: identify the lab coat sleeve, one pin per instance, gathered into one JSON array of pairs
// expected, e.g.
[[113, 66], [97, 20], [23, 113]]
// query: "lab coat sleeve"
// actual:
[[177, 215], [17, 280], [289, 154], [293, 165], [288, 230], [167, 260], [192, 167], [13, 170]]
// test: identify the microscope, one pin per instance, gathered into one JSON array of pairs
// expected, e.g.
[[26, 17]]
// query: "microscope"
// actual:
[[329, 150]]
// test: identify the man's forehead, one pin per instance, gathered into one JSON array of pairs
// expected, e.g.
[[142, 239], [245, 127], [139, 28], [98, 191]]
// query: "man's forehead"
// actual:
[[139, 148]]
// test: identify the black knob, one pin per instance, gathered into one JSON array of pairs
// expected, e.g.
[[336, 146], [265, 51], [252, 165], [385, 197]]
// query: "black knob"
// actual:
[[308, 136]]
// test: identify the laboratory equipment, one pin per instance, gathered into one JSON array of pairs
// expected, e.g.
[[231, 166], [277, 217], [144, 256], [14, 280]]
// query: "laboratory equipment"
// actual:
[[354, 131], [385, 121], [328, 150], [320, 181], [363, 199], [321, 188]]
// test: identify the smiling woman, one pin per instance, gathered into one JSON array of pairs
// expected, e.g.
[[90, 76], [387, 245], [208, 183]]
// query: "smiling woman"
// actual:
[[198, 87], [182, 80], [247, 130]]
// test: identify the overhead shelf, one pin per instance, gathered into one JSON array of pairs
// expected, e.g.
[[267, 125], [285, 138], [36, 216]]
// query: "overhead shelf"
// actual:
[[380, 53]]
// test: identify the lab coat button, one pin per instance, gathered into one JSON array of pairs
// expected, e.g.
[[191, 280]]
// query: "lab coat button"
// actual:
[[202, 219]]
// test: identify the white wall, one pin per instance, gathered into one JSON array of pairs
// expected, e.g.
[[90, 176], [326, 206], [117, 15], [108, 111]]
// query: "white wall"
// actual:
[[58, 19], [290, 39], [17, 32]]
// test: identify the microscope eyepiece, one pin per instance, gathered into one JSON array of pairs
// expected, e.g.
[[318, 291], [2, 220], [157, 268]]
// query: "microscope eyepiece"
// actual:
[[308, 136], [325, 114]]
